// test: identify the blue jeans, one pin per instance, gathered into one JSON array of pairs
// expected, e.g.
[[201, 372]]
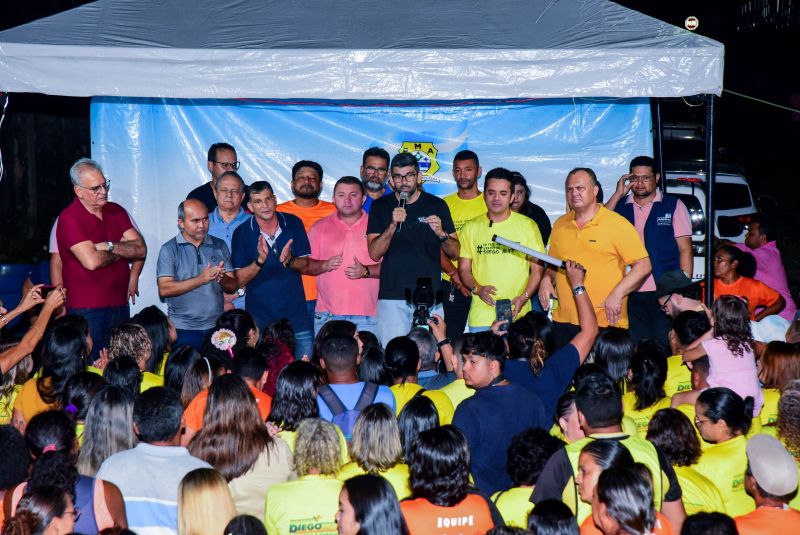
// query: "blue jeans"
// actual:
[[363, 323], [395, 317], [194, 338], [304, 344], [101, 321]]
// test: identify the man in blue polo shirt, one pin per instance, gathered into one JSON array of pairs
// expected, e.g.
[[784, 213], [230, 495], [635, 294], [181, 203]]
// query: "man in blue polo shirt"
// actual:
[[193, 270], [229, 191], [270, 250]]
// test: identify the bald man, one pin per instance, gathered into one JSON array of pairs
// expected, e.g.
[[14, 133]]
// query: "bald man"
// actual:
[[194, 269]]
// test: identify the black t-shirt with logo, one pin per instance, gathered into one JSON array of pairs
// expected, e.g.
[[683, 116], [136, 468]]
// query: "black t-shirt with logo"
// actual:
[[414, 250]]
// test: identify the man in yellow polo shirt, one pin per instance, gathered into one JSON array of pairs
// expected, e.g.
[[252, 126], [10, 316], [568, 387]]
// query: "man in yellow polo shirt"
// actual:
[[494, 271], [465, 204], [605, 243]]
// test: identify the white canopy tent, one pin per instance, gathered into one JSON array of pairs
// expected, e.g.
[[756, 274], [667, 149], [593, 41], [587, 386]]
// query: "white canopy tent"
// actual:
[[357, 51], [360, 49]]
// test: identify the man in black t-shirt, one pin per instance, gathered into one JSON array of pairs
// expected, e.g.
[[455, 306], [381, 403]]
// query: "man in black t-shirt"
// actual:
[[406, 231], [221, 158]]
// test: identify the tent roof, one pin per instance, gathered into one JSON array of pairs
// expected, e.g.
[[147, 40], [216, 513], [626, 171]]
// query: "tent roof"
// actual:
[[359, 49]]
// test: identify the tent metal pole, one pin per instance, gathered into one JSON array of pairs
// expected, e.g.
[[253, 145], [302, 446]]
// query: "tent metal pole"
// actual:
[[658, 145], [709, 208]]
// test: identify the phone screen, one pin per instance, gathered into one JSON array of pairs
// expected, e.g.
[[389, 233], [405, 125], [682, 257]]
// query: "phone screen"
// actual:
[[502, 309], [46, 290]]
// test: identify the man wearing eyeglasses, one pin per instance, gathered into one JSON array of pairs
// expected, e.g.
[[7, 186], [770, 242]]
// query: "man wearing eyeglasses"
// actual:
[[224, 219], [96, 240], [374, 172], [407, 231], [662, 222], [221, 158]]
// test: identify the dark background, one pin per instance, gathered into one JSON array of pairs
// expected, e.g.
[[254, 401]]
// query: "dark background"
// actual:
[[43, 135]]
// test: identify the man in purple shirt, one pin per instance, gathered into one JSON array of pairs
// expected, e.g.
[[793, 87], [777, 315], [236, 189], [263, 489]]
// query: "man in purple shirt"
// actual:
[[760, 242]]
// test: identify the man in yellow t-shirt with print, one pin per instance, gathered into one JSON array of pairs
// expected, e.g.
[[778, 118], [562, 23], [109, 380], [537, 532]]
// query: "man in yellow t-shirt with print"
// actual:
[[493, 271], [465, 204]]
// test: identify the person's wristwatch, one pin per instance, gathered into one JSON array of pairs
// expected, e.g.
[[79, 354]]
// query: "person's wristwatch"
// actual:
[[578, 290], [110, 247], [443, 342], [289, 260], [260, 264], [443, 239], [474, 290], [366, 273]]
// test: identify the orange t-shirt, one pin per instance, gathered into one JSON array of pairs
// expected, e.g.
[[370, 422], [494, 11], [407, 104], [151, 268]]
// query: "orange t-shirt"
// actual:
[[662, 526], [765, 520], [469, 517], [193, 415], [309, 216], [757, 293]]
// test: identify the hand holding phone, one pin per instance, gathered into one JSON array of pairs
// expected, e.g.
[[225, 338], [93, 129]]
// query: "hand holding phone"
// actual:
[[503, 311]]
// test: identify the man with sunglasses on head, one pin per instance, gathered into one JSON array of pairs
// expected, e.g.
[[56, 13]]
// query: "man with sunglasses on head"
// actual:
[[221, 158], [96, 240], [407, 231], [662, 222]]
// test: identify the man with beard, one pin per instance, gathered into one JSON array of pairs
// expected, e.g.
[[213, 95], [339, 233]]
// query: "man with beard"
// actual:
[[306, 186], [407, 231], [493, 271], [374, 171], [465, 204], [662, 222]]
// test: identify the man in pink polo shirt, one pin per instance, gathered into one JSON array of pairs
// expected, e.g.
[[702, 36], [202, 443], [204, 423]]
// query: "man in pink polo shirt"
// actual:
[[760, 242], [663, 224], [347, 278], [96, 240]]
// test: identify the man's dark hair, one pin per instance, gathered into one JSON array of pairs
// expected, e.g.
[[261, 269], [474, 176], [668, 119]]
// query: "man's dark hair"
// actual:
[[404, 159], [232, 174], [690, 325], [702, 366], [765, 226], [643, 161], [709, 524], [249, 363], [15, 459], [528, 453], [213, 149], [157, 414], [464, 155], [339, 351], [353, 181], [485, 344], [589, 172], [599, 398], [380, 152], [500, 173], [259, 186], [307, 163], [692, 291]]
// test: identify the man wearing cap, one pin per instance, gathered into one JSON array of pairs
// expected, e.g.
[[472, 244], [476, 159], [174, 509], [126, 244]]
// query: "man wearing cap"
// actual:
[[662, 222], [771, 480], [676, 294]]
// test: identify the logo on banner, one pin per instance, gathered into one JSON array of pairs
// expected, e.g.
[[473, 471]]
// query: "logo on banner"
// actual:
[[425, 153]]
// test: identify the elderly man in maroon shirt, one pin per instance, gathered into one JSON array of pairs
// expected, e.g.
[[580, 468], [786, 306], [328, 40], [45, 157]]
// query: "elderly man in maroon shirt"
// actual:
[[96, 240]]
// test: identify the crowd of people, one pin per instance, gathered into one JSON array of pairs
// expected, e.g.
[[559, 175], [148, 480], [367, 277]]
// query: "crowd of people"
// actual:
[[380, 364]]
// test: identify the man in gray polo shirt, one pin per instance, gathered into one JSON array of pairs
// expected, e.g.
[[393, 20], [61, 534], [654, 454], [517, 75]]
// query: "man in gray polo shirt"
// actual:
[[193, 271]]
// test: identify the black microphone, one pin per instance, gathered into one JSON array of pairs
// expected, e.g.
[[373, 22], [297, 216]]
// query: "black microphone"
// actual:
[[403, 199]]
